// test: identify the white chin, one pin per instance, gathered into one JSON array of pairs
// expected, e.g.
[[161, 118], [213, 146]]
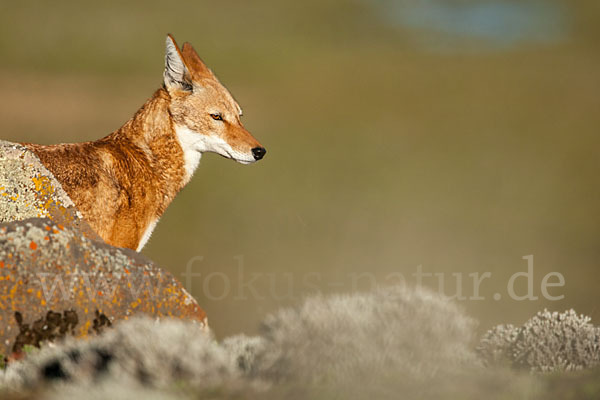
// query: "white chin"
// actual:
[[236, 156], [245, 162]]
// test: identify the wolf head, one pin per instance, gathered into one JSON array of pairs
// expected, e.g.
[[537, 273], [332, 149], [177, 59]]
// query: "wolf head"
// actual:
[[206, 117]]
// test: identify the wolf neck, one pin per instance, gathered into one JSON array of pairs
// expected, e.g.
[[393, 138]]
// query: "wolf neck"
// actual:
[[154, 160], [158, 160], [152, 127], [188, 141], [153, 131]]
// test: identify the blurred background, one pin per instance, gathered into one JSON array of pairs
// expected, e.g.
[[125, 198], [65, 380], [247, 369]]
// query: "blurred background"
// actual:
[[454, 135]]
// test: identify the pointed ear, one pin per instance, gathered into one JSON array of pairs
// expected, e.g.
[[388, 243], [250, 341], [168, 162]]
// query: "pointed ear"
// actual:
[[177, 74], [198, 69]]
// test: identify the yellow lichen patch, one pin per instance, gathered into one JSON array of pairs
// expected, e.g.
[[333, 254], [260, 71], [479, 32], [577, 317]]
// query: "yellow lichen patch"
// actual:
[[43, 185], [13, 290], [47, 205]]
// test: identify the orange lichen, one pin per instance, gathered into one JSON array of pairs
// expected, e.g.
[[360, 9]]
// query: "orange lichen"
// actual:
[[83, 279]]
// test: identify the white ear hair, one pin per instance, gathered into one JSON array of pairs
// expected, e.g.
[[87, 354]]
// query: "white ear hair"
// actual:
[[176, 75]]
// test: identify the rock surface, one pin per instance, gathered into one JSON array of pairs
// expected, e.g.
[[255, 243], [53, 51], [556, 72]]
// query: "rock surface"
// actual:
[[29, 190], [56, 282]]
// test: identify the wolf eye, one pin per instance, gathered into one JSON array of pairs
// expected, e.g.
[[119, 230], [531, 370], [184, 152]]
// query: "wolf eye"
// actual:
[[216, 117]]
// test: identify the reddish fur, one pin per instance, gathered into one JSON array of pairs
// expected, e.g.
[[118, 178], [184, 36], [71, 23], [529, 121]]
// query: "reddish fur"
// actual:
[[196, 65], [123, 182]]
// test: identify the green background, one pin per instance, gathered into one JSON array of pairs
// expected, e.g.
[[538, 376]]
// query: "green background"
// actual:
[[384, 153]]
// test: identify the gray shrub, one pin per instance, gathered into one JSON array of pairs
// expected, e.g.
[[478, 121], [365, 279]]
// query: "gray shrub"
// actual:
[[141, 351], [548, 342], [413, 333]]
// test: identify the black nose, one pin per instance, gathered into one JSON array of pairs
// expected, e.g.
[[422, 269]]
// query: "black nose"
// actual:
[[259, 152]]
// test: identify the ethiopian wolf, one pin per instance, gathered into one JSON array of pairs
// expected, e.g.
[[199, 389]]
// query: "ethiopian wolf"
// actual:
[[123, 183]]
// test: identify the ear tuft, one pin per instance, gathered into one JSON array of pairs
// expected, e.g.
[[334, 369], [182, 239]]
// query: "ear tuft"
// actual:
[[176, 75]]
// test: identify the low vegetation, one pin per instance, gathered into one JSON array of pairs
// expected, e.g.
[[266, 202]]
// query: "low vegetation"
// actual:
[[389, 343]]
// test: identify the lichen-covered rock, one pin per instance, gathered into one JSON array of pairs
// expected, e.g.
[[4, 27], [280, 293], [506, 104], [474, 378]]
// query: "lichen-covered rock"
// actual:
[[56, 282], [548, 342], [29, 190]]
